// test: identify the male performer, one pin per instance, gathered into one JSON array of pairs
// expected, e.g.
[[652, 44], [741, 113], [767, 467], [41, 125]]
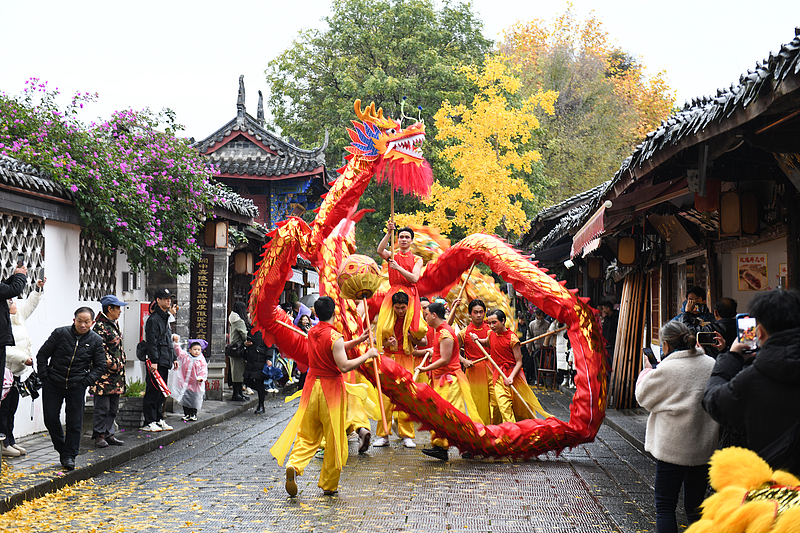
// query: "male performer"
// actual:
[[478, 374], [393, 347], [448, 379], [404, 271], [322, 405], [506, 353]]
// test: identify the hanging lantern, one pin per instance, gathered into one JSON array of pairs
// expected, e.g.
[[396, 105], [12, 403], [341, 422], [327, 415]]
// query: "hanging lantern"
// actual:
[[626, 253]]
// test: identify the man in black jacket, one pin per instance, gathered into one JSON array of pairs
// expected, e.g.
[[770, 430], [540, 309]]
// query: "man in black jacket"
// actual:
[[760, 402], [161, 357], [9, 288], [724, 323], [69, 361]]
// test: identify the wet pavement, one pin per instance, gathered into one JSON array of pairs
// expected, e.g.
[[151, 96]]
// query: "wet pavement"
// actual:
[[220, 477]]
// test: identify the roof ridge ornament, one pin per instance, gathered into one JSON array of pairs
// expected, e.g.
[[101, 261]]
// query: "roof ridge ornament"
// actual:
[[240, 101], [260, 111]]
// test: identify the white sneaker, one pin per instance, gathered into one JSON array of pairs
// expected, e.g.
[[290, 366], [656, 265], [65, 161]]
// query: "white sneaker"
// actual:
[[19, 448], [152, 427], [10, 451], [380, 441], [408, 443], [163, 425]]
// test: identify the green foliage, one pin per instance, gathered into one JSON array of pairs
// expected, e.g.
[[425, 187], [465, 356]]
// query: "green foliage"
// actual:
[[137, 186], [135, 388], [381, 51]]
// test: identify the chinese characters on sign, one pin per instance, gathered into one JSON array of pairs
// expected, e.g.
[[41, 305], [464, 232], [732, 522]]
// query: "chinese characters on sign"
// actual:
[[752, 272], [201, 298]]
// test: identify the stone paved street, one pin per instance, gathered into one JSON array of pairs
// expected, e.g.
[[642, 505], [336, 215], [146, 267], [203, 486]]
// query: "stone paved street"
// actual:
[[223, 479]]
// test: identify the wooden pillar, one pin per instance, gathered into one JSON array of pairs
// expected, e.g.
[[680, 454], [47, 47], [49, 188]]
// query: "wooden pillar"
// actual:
[[793, 243], [628, 350]]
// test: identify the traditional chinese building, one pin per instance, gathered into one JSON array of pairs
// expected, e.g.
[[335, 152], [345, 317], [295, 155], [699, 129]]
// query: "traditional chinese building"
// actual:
[[281, 178]]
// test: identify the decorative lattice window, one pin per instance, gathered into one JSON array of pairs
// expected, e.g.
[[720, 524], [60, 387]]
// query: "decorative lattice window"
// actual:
[[98, 269], [21, 236]]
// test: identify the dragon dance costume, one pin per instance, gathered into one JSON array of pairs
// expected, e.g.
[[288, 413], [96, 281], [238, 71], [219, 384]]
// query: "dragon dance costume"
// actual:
[[321, 413], [405, 428], [449, 381], [479, 375], [413, 323], [509, 406]]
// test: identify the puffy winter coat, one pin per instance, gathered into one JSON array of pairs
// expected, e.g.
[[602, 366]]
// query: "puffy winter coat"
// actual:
[[113, 381], [19, 353], [762, 400], [9, 288], [158, 337], [678, 431], [68, 360]]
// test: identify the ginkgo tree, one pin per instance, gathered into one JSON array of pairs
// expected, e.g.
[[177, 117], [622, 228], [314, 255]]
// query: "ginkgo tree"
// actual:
[[490, 150]]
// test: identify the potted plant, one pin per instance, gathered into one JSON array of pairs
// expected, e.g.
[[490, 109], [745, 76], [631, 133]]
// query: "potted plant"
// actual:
[[130, 405]]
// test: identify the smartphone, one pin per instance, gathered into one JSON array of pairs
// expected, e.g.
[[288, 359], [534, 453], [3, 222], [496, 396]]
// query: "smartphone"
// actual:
[[20, 260], [746, 331], [651, 357], [41, 273], [706, 338]]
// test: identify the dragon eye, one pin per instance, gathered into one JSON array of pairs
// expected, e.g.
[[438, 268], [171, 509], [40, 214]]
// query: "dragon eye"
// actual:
[[391, 130]]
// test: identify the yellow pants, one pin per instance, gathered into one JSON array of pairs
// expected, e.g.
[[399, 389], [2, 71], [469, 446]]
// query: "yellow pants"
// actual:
[[480, 380], [503, 400], [452, 393], [317, 424], [405, 427]]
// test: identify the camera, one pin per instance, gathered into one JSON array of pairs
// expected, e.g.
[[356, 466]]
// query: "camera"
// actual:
[[29, 387]]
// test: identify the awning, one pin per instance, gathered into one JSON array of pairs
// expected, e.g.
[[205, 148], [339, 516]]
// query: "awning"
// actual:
[[590, 231]]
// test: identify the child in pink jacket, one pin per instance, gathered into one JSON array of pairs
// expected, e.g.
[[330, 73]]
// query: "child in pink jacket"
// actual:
[[191, 377]]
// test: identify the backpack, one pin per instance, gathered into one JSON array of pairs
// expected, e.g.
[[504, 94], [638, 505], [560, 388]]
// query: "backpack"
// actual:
[[141, 351]]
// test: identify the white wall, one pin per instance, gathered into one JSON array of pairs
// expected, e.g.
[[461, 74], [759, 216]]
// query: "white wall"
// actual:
[[58, 305], [776, 254]]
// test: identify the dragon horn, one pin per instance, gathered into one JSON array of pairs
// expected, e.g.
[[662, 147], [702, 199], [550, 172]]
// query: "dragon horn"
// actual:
[[368, 114]]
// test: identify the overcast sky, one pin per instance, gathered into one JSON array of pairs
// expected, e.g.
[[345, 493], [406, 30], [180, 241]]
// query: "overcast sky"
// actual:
[[188, 55]]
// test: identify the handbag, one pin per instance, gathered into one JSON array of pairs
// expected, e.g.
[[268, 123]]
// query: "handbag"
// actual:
[[236, 349]]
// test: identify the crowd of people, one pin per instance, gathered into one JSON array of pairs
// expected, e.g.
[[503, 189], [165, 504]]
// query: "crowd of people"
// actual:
[[709, 388]]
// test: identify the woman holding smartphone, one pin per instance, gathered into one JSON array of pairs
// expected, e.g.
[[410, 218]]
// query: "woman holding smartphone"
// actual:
[[680, 434]]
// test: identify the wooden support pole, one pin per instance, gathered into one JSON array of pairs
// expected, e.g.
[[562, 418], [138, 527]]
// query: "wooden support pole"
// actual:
[[452, 314], [543, 335]]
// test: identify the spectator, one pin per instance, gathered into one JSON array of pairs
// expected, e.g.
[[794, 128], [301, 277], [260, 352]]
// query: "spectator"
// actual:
[[724, 323], [9, 288], [111, 385], [160, 357], [760, 401], [257, 356], [240, 326], [609, 326], [679, 434], [19, 360], [695, 304], [192, 375], [69, 361], [538, 326], [300, 310]]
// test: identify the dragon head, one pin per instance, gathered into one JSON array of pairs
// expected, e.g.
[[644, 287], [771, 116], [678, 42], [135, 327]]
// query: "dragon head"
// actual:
[[393, 150]]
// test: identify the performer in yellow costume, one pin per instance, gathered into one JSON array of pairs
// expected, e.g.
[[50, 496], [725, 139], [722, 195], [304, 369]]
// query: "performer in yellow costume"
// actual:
[[505, 351], [392, 347], [446, 375], [404, 272], [478, 374], [322, 405]]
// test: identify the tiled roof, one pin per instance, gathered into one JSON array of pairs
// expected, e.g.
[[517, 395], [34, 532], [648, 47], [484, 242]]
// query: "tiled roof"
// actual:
[[700, 112], [287, 158], [15, 173], [231, 201], [768, 77], [568, 215]]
